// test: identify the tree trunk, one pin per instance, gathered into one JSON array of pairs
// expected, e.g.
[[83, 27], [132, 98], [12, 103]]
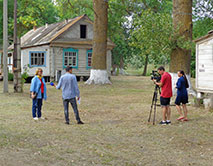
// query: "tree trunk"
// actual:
[[145, 66], [5, 45], [182, 21], [16, 56], [180, 57], [98, 74], [17, 81]]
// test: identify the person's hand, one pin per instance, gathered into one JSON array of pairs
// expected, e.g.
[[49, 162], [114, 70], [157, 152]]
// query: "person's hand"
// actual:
[[33, 95], [78, 98]]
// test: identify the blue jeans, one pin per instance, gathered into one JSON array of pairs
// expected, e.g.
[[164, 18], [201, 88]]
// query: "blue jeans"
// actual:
[[36, 107], [66, 109]]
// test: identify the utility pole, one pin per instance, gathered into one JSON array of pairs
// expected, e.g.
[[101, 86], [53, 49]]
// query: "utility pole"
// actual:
[[5, 45], [16, 55]]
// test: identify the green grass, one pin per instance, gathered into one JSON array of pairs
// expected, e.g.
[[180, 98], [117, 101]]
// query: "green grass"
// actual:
[[116, 131]]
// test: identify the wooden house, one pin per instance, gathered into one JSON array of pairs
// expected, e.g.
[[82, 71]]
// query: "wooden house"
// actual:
[[55, 46], [204, 63]]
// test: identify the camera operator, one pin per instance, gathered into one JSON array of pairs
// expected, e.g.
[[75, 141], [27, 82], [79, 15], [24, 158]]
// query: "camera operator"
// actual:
[[166, 93]]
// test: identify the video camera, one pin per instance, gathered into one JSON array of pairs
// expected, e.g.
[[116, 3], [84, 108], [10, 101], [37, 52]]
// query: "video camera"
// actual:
[[155, 76]]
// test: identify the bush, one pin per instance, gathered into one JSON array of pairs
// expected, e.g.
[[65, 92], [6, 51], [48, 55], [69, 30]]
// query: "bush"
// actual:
[[10, 76], [24, 76]]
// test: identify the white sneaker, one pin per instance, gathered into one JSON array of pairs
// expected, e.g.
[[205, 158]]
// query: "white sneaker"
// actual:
[[41, 118], [35, 118]]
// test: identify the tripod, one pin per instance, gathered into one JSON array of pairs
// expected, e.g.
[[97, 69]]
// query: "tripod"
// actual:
[[154, 102]]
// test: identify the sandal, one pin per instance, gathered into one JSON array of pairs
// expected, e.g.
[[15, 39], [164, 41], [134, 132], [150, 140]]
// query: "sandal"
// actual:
[[180, 118], [185, 119]]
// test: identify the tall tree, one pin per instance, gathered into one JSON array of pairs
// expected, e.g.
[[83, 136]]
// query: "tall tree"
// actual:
[[16, 55], [182, 21], [5, 44], [98, 73]]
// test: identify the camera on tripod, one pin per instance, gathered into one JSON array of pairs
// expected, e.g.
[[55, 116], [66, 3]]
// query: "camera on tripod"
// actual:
[[155, 76]]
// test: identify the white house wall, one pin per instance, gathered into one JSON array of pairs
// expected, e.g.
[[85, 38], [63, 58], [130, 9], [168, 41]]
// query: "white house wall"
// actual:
[[204, 66], [25, 60]]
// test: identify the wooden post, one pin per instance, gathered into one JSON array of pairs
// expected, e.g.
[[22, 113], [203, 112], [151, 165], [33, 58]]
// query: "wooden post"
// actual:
[[5, 45], [15, 35], [18, 80]]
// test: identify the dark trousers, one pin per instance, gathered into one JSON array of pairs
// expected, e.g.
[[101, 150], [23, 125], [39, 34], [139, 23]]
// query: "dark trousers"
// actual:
[[66, 108], [36, 107]]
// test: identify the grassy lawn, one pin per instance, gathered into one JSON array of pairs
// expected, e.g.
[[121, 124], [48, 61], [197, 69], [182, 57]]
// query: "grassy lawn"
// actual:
[[116, 131]]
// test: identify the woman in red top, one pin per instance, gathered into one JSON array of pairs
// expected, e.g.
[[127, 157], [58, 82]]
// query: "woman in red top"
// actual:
[[38, 93]]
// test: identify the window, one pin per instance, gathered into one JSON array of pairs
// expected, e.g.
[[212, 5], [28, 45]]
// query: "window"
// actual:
[[37, 58], [70, 57], [89, 59], [83, 30]]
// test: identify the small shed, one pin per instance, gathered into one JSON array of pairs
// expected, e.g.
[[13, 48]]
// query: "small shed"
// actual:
[[204, 63], [53, 47]]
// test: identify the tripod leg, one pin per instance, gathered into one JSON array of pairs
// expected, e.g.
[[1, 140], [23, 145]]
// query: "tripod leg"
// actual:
[[155, 103], [150, 113]]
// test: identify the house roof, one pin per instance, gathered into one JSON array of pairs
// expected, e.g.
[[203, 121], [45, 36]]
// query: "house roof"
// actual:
[[210, 34], [48, 33]]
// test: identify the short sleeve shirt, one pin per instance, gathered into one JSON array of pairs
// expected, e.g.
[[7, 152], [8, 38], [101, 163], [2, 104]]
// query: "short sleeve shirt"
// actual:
[[166, 88]]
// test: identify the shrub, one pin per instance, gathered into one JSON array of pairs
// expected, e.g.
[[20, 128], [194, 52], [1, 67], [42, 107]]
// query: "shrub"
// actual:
[[10, 76]]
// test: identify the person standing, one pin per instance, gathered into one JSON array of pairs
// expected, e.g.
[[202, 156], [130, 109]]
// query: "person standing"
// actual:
[[182, 95], [166, 94], [38, 92], [70, 91]]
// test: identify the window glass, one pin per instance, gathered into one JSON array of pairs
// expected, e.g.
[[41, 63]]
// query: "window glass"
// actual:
[[70, 59], [89, 59], [37, 58]]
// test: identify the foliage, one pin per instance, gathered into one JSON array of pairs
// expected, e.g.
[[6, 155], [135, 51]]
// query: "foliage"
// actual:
[[10, 76], [30, 14], [153, 34], [137, 27], [25, 75], [72, 8], [202, 9]]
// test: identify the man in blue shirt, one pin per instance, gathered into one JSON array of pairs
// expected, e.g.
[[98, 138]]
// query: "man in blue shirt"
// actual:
[[70, 91]]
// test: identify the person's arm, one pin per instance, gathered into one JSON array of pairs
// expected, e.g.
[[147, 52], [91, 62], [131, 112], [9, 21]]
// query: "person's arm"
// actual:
[[158, 83], [32, 88], [77, 92], [161, 83], [59, 84], [178, 84]]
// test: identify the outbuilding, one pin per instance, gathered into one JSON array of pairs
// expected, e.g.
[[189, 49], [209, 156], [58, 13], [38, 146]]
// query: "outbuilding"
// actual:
[[53, 47], [204, 63], [204, 68]]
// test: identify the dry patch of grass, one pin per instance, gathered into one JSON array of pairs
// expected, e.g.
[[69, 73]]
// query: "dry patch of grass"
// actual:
[[116, 131]]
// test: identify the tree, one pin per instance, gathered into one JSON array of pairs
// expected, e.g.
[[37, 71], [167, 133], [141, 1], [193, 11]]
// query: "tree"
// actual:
[[153, 36], [5, 45], [182, 21], [72, 8], [98, 73]]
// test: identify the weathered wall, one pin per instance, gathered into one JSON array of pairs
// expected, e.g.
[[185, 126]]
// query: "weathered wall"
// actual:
[[204, 65], [25, 60], [82, 61], [74, 31]]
